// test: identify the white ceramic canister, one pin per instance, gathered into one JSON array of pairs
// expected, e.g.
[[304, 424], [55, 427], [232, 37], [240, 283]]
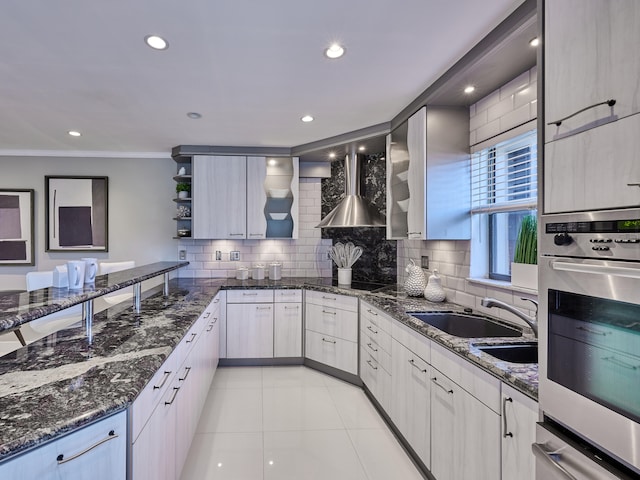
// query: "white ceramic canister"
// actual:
[[242, 273], [275, 271], [344, 276], [258, 271]]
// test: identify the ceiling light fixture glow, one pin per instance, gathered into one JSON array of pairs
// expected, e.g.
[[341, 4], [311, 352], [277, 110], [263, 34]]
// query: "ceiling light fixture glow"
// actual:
[[334, 51], [74, 133], [332, 155], [534, 42], [194, 115], [156, 42], [362, 148], [469, 89], [307, 119]]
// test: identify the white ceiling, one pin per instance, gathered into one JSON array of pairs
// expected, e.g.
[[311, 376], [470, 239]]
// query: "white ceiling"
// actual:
[[252, 68]]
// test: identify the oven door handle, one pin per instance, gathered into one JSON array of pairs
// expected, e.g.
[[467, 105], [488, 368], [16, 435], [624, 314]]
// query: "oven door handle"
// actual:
[[540, 452], [595, 269]]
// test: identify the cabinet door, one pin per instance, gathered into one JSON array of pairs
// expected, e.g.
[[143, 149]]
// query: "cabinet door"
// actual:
[[287, 330], [256, 198], [219, 193], [376, 378], [187, 404], [332, 351], [250, 330], [105, 461], [154, 452], [417, 146], [410, 405], [520, 414], [596, 169], [588, 59]]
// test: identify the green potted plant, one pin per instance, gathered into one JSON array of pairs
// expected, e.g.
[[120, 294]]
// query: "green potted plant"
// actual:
[[524, 269], [183, 190]]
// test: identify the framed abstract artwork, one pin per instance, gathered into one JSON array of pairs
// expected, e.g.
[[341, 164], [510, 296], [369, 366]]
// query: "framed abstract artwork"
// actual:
[[16, 227], [77, 214]]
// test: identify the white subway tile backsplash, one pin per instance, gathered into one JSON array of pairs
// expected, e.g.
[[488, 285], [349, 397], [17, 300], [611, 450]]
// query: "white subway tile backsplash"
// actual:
[[487, 101], [515, 85], [515, 118], [489, 130], [500, 109], [526, 95], [479, 120]]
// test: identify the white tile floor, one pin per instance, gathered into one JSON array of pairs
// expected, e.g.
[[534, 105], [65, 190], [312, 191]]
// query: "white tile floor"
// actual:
[[268, 423]]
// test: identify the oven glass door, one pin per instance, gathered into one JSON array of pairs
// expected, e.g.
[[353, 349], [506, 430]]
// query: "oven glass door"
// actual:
[[594, 349]]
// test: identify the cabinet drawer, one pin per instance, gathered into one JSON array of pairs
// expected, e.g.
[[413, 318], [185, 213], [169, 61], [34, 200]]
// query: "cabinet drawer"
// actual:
[[285, 295], [377, 334], [332, 351], [376, 378], [107, 460], [477, 382], [149, 397], [413, 340], [376, 317], [375, 350], [332, 321], [342, 302], [258, 295]]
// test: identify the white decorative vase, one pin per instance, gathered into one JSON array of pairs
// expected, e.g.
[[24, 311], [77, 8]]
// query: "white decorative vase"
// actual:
[[416, 283], [344, 276], [524, 275], [183, 194], [434, 291]]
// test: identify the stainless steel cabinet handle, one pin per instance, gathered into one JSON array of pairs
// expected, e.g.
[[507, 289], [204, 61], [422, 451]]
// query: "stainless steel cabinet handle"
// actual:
[[371, 347], [435, 380], [187, 371], [371, 329], [245, 294], [292, 308], [620, 363], [256, 234], [110, 436], [372, 312], [611, 103], [210, 327], [328, 341], [371, 365], [193, 336], [263, 308], [164, 379], [505, 432], [329, 298], [236, 234], [413, 364], [173, 397], [207, 315], [635, 184], [540, 452], [329, 313]]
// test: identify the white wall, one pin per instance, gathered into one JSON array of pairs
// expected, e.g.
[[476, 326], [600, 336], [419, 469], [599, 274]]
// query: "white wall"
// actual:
[[303, 257], [140, 208]]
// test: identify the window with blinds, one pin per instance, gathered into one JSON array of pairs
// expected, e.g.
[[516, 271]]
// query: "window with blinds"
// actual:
[[504, 190]]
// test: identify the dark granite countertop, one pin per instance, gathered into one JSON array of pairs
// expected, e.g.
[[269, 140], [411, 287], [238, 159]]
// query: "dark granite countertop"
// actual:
[[17, 308], [61, 383]]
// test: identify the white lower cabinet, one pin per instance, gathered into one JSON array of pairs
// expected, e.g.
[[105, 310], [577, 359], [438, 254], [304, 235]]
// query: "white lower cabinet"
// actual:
[[287, 330], [331, 332], [250, 330], [165, 415], [411, 399], [97, 452], [376, 378], [519, 417]]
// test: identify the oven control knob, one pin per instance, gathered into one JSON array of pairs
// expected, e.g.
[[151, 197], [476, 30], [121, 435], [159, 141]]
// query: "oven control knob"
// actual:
[[562, 239]]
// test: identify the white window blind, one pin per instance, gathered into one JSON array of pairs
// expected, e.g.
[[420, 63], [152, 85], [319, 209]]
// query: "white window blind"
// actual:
[[504, 176]]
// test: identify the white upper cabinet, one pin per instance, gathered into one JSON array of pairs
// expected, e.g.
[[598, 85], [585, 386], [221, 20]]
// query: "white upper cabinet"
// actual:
[[237, 197], [219, 192], [428, 174], [590, 57]]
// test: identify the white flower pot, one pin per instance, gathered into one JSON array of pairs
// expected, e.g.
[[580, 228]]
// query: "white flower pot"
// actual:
[[183, 194], [524, 275]]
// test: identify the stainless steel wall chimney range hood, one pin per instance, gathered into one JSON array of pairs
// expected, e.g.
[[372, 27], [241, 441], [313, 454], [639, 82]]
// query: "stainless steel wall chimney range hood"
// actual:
[[353, 210]]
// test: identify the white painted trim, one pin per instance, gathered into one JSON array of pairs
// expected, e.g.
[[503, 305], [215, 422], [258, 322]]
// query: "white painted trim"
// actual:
[[85, 154]]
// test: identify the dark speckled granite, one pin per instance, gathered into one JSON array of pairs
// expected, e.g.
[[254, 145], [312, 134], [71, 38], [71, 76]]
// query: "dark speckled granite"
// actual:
[[60, 383], [19, 308]]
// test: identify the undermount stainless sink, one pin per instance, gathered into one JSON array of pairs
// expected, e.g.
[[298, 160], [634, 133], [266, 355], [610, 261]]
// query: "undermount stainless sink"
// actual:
[[466, 325], [512, 352]]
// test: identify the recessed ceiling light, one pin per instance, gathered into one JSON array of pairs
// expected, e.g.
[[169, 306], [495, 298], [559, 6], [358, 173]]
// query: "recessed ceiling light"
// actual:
[[307, 119], [334, 51], [534, 42], [156, 42], [469, 89], [362, 148], [74, 133], [194, 115], [332, 155]]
